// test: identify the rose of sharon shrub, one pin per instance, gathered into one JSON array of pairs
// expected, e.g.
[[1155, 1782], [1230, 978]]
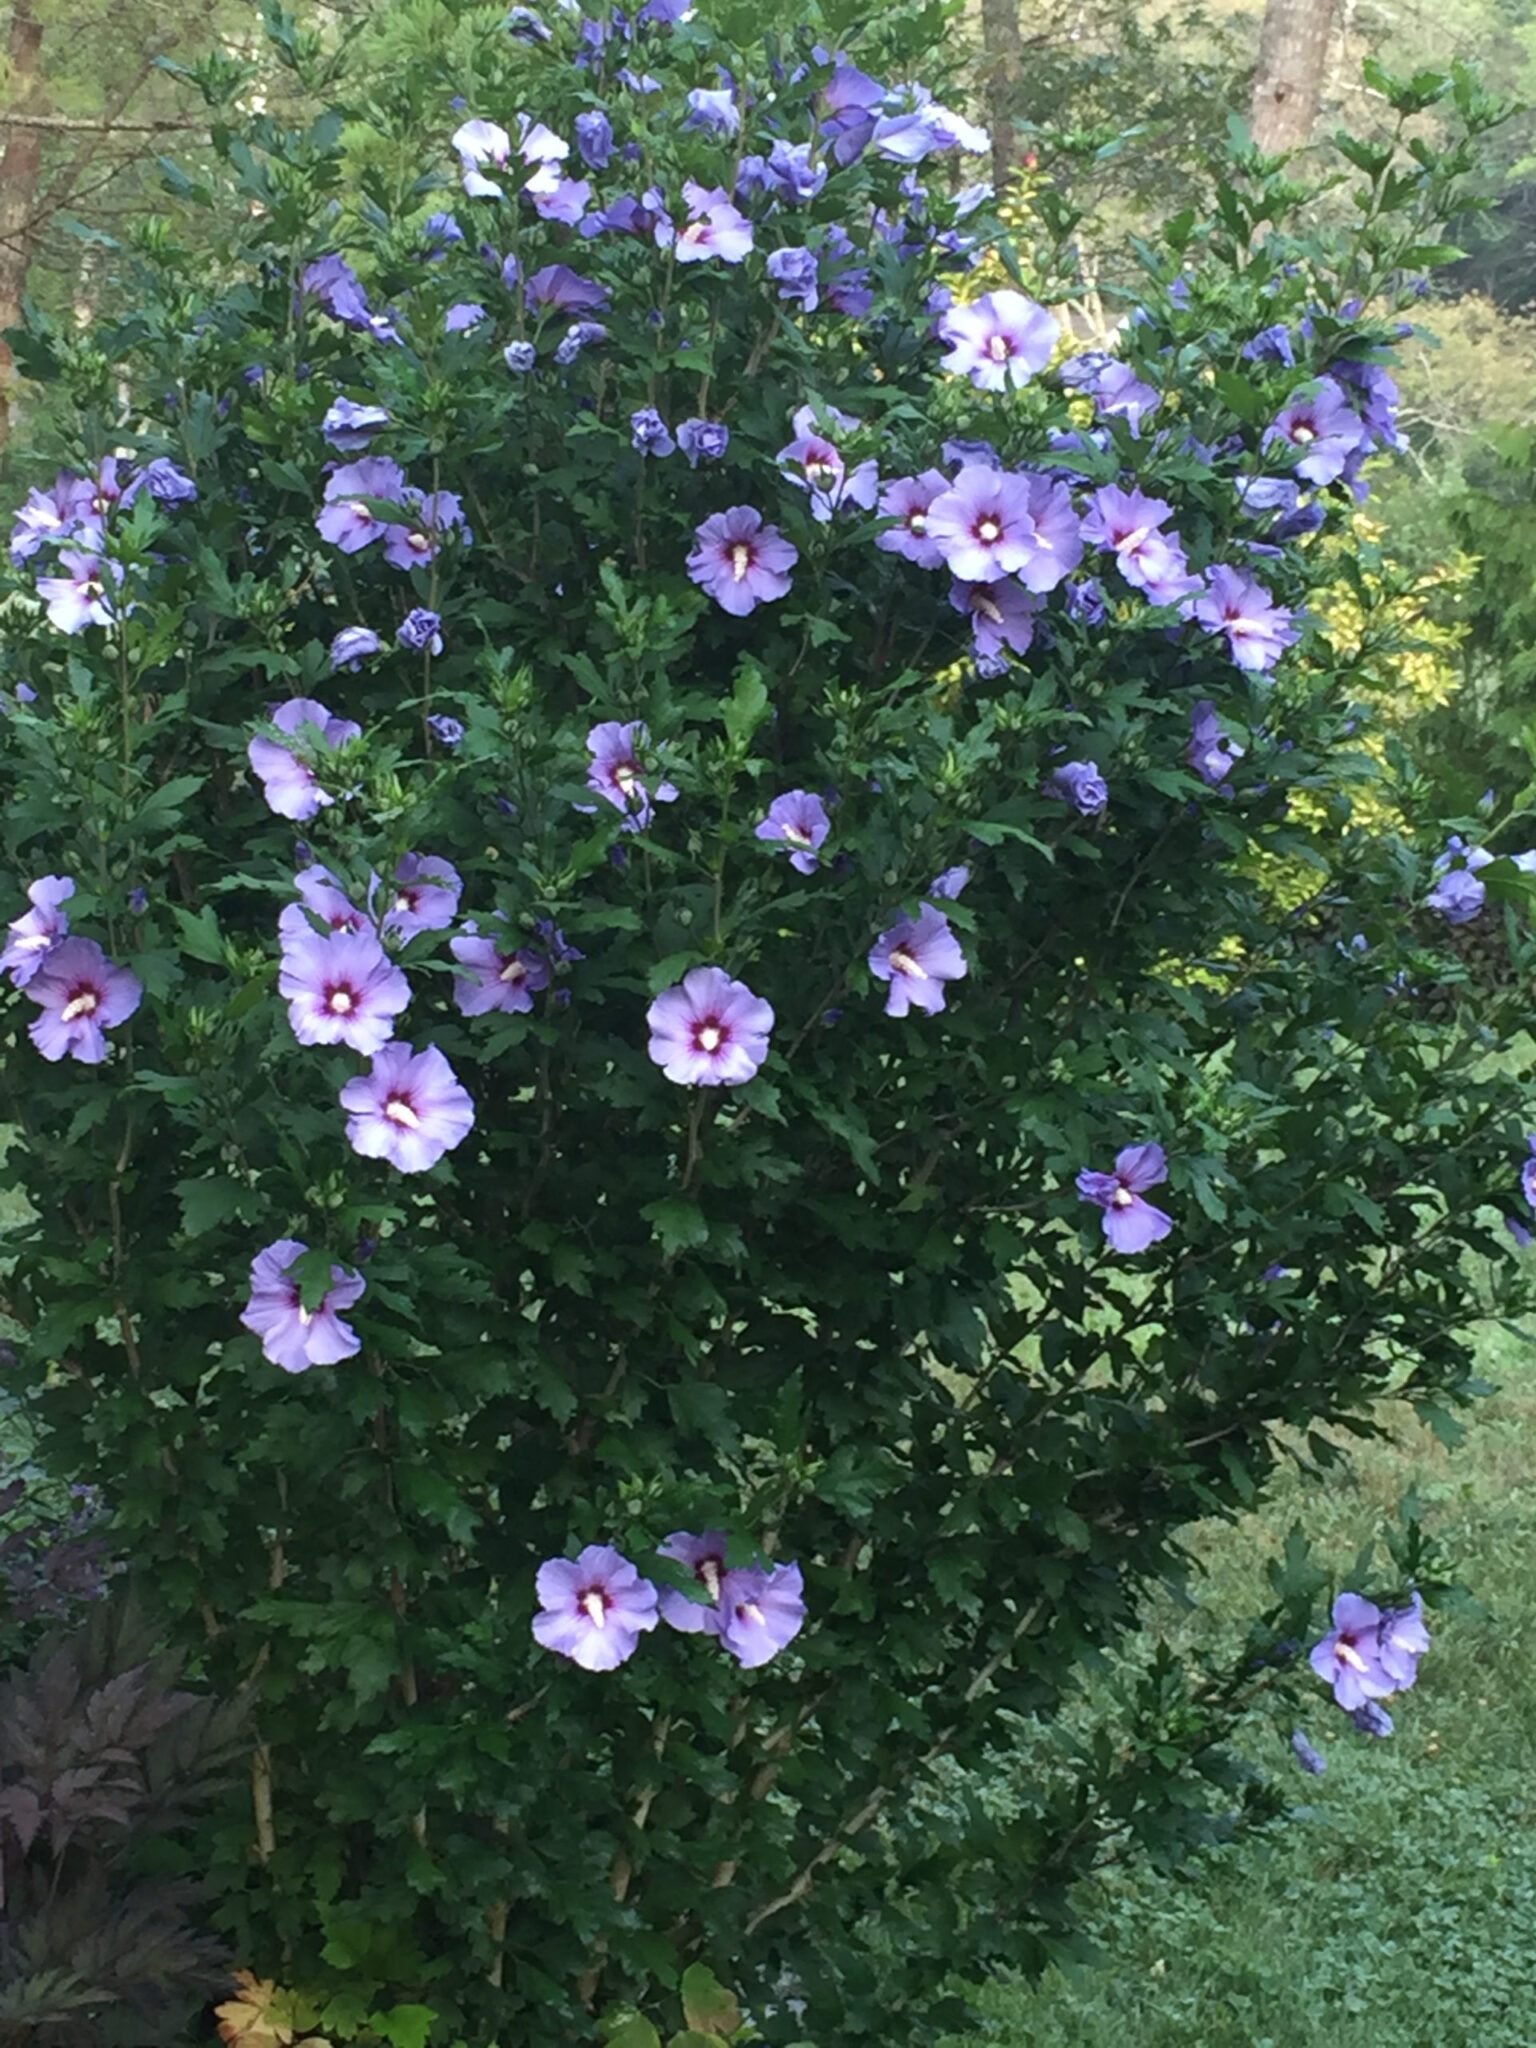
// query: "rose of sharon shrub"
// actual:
[[588, 964]]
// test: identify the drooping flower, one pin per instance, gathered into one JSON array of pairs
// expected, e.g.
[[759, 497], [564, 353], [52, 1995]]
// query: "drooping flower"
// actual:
[[798, 820], [80, 995], [917, 956], [165, 483], [1001, 614], [617, 775], [289, 783], [709, 1031], [500, 977], [1349, 1656], [1002, 339], [595, 1608], [796, 273], [648, 433], [350, 426], [992, 523], [703, 441], [409, 1108], [1319, 422], [332, 280], [950, 884], [713, 228], [344, 518], [583, 334], [420, 631], [1210, 753], [741, 562], [1371, 1718], [1401, 1641], [351, 647], [423, 897], [82, 597], [1311, 1760], [761, 1609], [293, 1336], [341, 989], [559, 289], [1258, 630], [31, 937], [1080, 784], [906, 500], [594, 138], [1130, 1224]]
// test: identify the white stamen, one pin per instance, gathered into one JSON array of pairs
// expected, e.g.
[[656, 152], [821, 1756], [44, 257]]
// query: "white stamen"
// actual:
[[983, 605], [595, 1607], [513, 971], [795, 836], [906, 963], [741, 561], [627, 776], [34, 942], [999, 348], [339, 1002], [1303, 434], [359, 510], [710, 1036], [418, 542], [917, 522], [1349, 1656], [402, 1113], [306, 1316], [82, 1005], [989, 530], [709, 1572], [1122, 1198], [750, 1611], [1129, 542]]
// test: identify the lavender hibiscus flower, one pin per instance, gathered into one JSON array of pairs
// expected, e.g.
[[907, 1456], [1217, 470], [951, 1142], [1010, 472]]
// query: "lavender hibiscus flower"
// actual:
[[917, 956], [409, 1108], [350, 426], [595, 1607], [992, 523], [341, 989], [1001, 614], [1130, 1224], [703, 440], [80, 994], [31, 937], [500, 977], [344, 518], [1258, 630], [420, 631], [1349, 1656], [82, 597], [290, 784], [713, 228], [741, 562], [352, 646], [754, 1610], [1401, 1641], [1150, 560], [326, 898], [814, 464], [906, 500], [482, 146], [53, 515], [412, 543], [1210, 753], [617, 775], [798, 820], [558, 288], [1002, 340], [293, 1336], [423, 896], [1321, 425], [709, 1031], [705, 1556], [1080, 784]]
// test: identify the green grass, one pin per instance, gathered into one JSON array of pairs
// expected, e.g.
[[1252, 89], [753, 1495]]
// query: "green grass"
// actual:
[[1399, 1909]]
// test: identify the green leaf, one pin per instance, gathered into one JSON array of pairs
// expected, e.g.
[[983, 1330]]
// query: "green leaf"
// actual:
[[405, 2026], [677, 1224], [634, 2032], [707, 2005], [205, 1204], [200, 935]]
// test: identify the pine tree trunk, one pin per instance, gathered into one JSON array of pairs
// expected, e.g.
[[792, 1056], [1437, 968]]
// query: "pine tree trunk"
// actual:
[[20, 166], [1293, 62], [1004, 48]]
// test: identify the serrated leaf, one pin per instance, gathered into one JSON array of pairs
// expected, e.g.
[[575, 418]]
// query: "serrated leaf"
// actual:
[[677, 1224], [708, 2006]]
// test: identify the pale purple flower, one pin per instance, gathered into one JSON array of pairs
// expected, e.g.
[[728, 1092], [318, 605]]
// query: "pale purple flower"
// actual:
[[449, 731], [1130, 1223], [1319, 422], [1210, 753], [1080, 784], [703, 441], [594, 138], [409, 1108], [741, 562], [325, 898], [81, 994], [906, 499], [350, 426], [616, 772], [813, 464], [709, 1031], [499, 978], [799, 821], [1349, 1656], [705, 1556], [1258, 630], [761, 1609], [1459, 892], [332, 280], [293, 1336], [1401, 1641], [584, 334], [714, 227], [419, 631], [53, 516], [289, 783], [165, 483], [32, 936], [352, 645], [82, 597], [344, 518], [520, 357], [1148, 559], [459, 319], [950, 884], [1002, 339], [341, 989], [1117, 392], [595, 1608], [648, 433], [715, 112], [482, 146], [992, 523], [917, 956], [558, 288], [413, 543], [1311, 1760], [795, 273], [1001, 615], [423, 897], [539, 144]]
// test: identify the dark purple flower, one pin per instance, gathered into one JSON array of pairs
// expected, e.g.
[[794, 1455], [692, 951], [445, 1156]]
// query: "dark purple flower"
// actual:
[[1310, 1759], [408, 1108], [1002, 339], [648, 433], [345, 518], [333, 281], [420, 631], [441, 231], [423, 897], [1349, 1656], [993, 523], [1373, 1719], [1001, 614], [713, 228], [289, 783], [31, 937], [594, 138], [293, 1336], [500, 977], [1087, 603], [351, 427], [557, 288], [556, 945], [917, 956], [1080, 784], [1211, 753], [709, 1031], [81, 597], [1319, 423], [352, 645], [906, 499], [703, 441], [595, 1609], [1130, 1224], [81, 994], [617, 775], [798, 820], [796, 274], [341, 989], [1271, 344], [1258, 630], [741, 562]]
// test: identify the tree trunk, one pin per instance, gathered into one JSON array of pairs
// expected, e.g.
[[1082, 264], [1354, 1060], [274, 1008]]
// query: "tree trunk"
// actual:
[[1004, 51], [1293, 62], [20, 166]]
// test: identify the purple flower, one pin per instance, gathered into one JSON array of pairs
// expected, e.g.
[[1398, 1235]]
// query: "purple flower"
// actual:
[[1527, 1171], [1372, 1719], [992, 523], [617, 775], [520, 357], [352, 645], [341, 989], [1349, 1656], [594, 138], [53, 516], [1310, 1759], [648, 433], [703, 441], [741, 562], [595, 1609], [1459, 892], [705, 1555], [917, 956], [1320, 424], [584, 334], [81, 597], [31, 937], [165, 483], [714, 227], [345, 518], [558, 288], [1080, 784], [906, 499], [482, 145], [760, 1611], [791, 172], [795, 273], [327, 900], [424, 896], [461, 318], [1258, 630], [1210, 753], [1271, 344], [1001, 614], [81, 994], [414, 543], [350, 426], [799, 820], [1523, 1237], [499, 978], [408, 1108], [709, 1031], [293, 1336], [290, 784], [1130, 1223], [441, 231], [1002, 339], [450, 731], [333, 281], [1146, 557], [715, 112], [1401, 1641], [813, 464], [949, 885], [419, 631]]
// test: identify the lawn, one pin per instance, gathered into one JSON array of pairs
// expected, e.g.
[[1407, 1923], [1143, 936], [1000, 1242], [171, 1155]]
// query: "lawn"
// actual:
[[1398, 1906]]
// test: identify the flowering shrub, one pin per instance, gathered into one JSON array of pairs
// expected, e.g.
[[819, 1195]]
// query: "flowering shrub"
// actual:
[[566, 1083]]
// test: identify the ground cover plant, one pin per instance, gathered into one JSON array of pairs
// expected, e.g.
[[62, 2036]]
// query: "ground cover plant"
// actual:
[[671, 1121]]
